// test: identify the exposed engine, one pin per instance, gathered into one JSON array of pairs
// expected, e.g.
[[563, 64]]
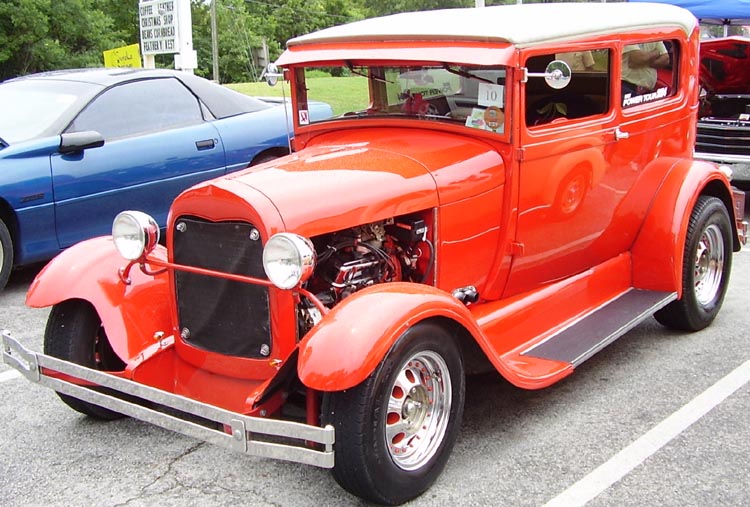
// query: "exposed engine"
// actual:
[[349, 260], [731, 108], [724, 116]]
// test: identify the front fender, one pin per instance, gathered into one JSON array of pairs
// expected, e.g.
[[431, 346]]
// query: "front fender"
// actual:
[[131, 314], [659, 247], [348, 344]]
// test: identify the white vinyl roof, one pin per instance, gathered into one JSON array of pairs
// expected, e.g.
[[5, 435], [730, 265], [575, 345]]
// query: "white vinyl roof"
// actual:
[[521, 25]]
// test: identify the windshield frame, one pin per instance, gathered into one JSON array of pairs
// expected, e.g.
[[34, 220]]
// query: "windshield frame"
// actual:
[[432, 94]]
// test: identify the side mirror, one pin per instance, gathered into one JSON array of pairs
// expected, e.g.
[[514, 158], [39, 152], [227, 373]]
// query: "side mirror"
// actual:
[[272, 74], [557, 74], [76, 142]]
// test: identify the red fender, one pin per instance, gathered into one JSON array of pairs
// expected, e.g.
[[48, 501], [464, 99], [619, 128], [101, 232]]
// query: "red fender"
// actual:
[[659, 247], [131, 314], [351, 340]]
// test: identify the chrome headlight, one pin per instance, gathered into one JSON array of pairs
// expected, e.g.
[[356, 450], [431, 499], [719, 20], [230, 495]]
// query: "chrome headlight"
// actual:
[[135, 234], [288, 260]]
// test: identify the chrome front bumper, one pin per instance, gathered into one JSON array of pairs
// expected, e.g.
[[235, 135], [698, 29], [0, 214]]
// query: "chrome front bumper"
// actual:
[[244, 429]]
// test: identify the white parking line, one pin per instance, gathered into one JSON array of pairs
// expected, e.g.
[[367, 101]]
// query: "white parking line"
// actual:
[[636, 453], [9, 375]]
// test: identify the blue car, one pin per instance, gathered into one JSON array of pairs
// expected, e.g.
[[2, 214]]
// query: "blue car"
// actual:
[[77, 147]]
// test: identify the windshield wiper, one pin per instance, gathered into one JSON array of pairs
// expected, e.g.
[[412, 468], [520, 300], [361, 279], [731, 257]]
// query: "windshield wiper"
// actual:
[[465, 74], [364, 74]]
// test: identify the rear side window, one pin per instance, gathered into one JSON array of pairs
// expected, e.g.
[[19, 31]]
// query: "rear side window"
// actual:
[[649, 72], [139, 107], [586, 95]]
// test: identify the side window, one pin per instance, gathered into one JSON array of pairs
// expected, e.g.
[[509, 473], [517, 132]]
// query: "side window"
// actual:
[[138, 107], [649, 72], [586, 95]]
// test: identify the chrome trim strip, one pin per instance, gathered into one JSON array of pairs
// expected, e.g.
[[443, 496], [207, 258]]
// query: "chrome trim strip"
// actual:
[[717, 157], [244, 428]]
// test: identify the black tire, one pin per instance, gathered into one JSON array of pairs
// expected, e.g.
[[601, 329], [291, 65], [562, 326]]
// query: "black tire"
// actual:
[[379, 453], [74, 333], [263, 158], [705, 270], [6, 255]]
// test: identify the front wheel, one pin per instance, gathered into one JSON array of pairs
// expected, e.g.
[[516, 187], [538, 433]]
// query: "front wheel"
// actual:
[[705, 270], [74, 333], [6, 255], [395, 431]]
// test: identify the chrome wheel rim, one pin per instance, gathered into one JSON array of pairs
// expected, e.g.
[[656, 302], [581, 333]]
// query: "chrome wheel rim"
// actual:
[[418, 410], [709, 265]]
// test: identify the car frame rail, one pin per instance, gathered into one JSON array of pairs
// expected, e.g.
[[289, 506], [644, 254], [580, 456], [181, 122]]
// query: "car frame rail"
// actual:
[[243, 428]]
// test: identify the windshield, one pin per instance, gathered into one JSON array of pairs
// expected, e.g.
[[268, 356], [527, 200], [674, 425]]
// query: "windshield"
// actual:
[[30, 108], [470, 96]]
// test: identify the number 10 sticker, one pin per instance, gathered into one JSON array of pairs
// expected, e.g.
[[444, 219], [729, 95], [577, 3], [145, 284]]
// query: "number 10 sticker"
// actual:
[[491, 95]]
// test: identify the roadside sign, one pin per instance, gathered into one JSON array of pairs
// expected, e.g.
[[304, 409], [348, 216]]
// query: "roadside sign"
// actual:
[[159, 27], [125, 56]]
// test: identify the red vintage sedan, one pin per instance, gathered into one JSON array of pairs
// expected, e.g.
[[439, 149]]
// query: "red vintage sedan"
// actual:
[[483, 205]]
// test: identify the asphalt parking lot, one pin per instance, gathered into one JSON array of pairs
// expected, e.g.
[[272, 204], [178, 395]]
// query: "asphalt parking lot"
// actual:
[[657, 418]]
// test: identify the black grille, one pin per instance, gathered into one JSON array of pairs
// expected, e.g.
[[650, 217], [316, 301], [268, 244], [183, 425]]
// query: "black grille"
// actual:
[[215, 314], [723, 137]]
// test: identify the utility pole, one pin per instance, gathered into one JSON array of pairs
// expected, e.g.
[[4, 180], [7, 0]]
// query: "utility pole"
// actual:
[[214, 43]]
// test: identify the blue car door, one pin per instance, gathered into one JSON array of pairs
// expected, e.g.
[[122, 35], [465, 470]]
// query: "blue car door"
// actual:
[[157, 144]]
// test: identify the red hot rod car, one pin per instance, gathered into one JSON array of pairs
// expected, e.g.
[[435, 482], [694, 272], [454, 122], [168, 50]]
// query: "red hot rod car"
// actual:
[[482, 204]]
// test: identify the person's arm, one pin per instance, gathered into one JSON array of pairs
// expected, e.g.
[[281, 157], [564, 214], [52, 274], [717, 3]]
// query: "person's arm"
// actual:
[[657, 58], [662, 60], [588, 60]]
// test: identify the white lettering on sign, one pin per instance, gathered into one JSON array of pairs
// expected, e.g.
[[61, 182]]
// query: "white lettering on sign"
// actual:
[[491, 95], [631, 100], [159, 28]]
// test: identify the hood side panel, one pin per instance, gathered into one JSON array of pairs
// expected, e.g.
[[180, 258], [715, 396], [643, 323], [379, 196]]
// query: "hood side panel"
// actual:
[[358, 176]]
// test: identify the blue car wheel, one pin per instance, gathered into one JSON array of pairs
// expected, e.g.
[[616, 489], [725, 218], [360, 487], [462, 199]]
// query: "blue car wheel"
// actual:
[[6, 255]]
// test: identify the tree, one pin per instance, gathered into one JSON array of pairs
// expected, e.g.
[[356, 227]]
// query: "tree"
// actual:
[[35, 37], [239, 33]]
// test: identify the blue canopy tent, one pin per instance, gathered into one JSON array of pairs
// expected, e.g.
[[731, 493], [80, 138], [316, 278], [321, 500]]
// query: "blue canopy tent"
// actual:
[[719, 12]]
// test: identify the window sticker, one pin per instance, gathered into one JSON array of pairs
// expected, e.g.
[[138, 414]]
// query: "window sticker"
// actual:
[[491, 118], [304, 117], [491, 95], [632, 100]]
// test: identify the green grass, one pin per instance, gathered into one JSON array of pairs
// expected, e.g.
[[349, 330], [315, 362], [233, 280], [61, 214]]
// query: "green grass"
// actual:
[[342, 93]]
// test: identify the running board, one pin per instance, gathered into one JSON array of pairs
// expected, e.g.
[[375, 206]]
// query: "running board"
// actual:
[[587, 336]]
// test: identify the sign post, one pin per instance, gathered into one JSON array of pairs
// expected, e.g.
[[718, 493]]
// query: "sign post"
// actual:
[[166, 28]]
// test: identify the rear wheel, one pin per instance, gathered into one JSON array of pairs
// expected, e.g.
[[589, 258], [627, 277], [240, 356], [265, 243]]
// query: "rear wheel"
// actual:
[[74, 333], [395, 431], [6, 255], [706, 266], [264, 157]]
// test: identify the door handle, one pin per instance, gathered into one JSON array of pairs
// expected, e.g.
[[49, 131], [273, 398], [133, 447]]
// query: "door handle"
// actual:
[[206, 144], [621, 134]]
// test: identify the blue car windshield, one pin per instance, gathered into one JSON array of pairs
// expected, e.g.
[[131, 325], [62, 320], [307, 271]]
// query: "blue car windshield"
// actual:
[[34, 108]]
